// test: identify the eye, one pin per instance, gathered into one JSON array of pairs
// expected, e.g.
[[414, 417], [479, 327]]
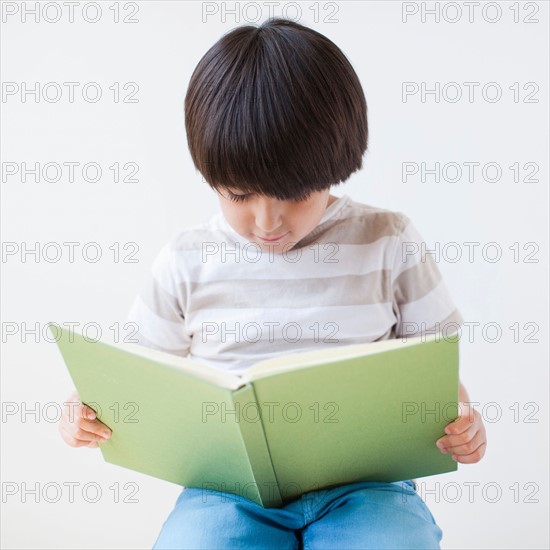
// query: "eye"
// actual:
[[237, 198]]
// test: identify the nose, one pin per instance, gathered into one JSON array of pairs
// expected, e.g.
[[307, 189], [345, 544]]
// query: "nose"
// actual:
[[268, 215]]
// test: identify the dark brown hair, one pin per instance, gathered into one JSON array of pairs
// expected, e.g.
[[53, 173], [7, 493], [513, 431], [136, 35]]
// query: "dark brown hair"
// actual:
[[276, 110]]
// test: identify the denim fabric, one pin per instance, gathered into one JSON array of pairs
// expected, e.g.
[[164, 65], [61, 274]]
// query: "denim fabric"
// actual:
[[362, 515]]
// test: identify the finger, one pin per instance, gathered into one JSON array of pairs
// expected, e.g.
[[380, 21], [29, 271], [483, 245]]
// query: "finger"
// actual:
[[92, 426], [471, 458], [70, 439], [82, 434], [81, 409], [80, 421], [74, 442], [87, 412], [463, 422], [75, 409], [81, 412], [448, 441], [469, 446]]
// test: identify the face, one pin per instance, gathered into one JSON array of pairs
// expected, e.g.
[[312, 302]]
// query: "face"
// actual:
[[273, 225]]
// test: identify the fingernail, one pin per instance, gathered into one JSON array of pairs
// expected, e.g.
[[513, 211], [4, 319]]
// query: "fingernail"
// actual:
[[106, 435]]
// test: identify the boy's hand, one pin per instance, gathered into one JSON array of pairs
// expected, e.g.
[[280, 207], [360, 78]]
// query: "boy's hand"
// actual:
[[466, 439], [79, 426]]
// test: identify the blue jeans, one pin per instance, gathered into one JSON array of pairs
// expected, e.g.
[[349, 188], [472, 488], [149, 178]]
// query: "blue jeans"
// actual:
[[358, 515]]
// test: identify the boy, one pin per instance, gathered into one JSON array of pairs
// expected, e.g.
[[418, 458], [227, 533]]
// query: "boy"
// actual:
[[275, 115]]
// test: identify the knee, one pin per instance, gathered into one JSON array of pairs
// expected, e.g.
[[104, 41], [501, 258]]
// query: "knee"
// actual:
[[199, 520]]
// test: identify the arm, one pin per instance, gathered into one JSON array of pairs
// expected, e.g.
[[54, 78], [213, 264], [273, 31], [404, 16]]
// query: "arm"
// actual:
[[416, 276], [465, 437]]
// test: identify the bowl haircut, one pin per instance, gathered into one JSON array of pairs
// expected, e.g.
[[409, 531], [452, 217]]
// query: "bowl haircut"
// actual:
[[276, 110]]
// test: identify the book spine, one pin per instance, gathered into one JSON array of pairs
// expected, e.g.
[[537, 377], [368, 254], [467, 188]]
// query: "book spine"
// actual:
[[266, 488]]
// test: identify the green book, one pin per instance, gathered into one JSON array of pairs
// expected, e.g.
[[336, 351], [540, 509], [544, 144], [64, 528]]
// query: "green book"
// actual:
[[292, 424]]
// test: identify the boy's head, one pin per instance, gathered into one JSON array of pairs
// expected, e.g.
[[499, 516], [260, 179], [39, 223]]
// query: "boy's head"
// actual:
[[276, 112]]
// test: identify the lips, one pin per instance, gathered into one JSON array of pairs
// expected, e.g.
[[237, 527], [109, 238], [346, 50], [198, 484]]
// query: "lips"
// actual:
[[273, 238]]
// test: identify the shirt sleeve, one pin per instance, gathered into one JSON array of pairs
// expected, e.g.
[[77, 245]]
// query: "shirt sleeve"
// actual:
[[421, 300], [157, 310]]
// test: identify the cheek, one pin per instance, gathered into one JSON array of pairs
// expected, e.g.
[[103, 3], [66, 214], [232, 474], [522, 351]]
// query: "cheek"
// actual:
[[311, 214], [237, 217]]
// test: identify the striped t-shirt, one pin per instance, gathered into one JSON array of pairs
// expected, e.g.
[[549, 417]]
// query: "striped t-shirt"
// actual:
[[360, 276]]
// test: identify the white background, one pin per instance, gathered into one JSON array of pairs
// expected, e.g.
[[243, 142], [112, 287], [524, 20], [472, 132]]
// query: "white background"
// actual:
[[159, 52]]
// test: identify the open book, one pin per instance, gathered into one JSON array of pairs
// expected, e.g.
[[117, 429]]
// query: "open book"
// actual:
[[292, 424]]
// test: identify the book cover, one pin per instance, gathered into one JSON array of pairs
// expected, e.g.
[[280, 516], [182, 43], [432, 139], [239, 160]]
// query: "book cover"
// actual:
[[289, 425]]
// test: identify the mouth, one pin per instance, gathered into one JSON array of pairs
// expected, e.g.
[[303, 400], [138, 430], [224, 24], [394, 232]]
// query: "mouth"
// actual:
[[272, 239]]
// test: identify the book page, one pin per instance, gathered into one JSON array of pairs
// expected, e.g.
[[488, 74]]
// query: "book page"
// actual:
[[192, 367], [306, 359]]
